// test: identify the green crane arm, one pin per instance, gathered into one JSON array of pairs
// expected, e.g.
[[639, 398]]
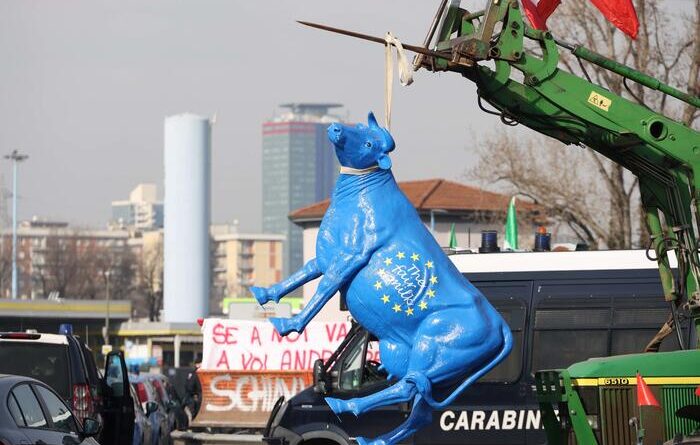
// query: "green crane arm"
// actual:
[[662, 153]]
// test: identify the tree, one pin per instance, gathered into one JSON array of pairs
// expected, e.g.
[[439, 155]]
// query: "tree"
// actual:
[[60, 268], [658, 52], [78, 266], [103, 266], [150, 279], [6, 266], [555, 177]]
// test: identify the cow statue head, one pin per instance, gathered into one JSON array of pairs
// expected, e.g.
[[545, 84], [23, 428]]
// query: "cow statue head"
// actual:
[[362, 146]]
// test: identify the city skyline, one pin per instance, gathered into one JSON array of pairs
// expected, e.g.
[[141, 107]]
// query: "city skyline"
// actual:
[[89, 111], [85, 99]]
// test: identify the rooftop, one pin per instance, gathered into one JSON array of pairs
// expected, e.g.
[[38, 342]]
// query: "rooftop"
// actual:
[[435, 194], [65, 308]]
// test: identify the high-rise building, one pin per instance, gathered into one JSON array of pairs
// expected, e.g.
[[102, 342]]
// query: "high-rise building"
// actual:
[[299, 168], [142, 211]]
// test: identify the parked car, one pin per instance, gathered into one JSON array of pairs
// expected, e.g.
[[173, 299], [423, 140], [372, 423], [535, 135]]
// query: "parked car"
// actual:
[[142, 425], [37, 414], [66, 364], [156, 412], [177, 418]]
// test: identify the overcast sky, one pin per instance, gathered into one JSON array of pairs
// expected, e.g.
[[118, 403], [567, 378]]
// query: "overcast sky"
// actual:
[[85, 86]]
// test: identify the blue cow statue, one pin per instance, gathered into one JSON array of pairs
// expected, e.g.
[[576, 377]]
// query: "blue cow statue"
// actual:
[[435, 329]]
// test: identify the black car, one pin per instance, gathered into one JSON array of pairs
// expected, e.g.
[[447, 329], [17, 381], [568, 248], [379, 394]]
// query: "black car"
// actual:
[[36, 414], [65, 363]]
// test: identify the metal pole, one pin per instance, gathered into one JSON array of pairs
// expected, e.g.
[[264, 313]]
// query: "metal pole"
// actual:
[[16, 158], [106, 339], [14, 228]]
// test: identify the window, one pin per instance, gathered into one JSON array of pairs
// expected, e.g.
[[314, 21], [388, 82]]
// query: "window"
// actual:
[[553, 349], [633, 341], [350, 375], [564, 336], [513, 312], [45, 362], [29, 406], [115, 378], [60, 414], [13, 407]]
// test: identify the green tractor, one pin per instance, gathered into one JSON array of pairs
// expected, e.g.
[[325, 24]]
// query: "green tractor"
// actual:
[[595, 402]]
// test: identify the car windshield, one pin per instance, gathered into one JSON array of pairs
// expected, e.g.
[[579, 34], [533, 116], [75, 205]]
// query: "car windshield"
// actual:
[[47, 363]]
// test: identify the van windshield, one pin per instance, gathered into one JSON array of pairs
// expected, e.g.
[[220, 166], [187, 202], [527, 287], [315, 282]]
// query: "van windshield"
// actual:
[[47, 363]]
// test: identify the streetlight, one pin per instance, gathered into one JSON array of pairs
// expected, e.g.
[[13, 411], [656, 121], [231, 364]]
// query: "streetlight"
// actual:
[[106, 333], [16, 159]]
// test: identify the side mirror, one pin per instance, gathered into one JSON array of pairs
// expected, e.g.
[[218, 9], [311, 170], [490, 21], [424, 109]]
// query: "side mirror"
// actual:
[[320, 381], [151, 407], [91, 427]]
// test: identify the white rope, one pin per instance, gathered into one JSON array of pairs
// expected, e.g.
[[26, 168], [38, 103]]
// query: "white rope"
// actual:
[[405, 73], [357, 171]]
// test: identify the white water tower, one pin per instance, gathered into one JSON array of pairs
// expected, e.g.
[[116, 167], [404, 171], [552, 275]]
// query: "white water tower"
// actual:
[[186, 218]]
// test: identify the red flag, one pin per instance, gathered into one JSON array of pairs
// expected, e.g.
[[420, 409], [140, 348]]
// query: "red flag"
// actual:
[[539, 14], [621, 13], [644, 395]]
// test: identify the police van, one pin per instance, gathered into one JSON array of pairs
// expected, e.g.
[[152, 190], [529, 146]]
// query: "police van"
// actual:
[[562, 308]]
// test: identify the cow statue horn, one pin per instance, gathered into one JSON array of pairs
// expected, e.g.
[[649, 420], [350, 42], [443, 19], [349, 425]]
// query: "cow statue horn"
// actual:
[[398, 284], [372, 121]]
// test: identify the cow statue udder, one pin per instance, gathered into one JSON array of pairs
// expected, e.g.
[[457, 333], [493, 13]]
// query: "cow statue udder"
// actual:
[[435, 329]]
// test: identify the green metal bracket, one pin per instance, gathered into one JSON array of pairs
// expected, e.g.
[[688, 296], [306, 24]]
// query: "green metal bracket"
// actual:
[[554, 388]]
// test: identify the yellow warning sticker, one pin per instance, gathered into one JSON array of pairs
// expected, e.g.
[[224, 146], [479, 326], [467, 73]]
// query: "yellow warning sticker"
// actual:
[[599, 101]]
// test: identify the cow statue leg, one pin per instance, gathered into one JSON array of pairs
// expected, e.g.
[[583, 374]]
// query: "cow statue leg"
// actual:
[[421, 415], [308, 272], [402, 391], [443, 351], [337, 274]]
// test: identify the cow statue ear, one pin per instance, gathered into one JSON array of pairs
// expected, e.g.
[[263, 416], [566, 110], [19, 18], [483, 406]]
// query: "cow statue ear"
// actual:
[[384, 162], [372, 121]]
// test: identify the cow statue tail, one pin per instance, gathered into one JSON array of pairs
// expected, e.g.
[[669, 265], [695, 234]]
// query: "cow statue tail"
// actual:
[[424, 387]]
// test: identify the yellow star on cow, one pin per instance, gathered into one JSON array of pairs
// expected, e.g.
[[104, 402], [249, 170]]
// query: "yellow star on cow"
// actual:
[[433, 279], [378, 285], [397, 308], [423, 305], [415, 257], [387, 261], [409, 311], [430, 293], [429, 264], [400, 255], [385, 298]]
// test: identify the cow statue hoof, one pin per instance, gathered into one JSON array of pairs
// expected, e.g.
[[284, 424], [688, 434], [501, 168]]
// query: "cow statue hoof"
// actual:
[[363, 441], [284, 325], [261, 294]]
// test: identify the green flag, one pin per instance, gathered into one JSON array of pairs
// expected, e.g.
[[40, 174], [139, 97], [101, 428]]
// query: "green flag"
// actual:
[[453, 237], [511, 238]]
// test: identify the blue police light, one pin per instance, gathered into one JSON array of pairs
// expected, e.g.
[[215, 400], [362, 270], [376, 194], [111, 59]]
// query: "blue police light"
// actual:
[[65, 329], [489, 242]]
